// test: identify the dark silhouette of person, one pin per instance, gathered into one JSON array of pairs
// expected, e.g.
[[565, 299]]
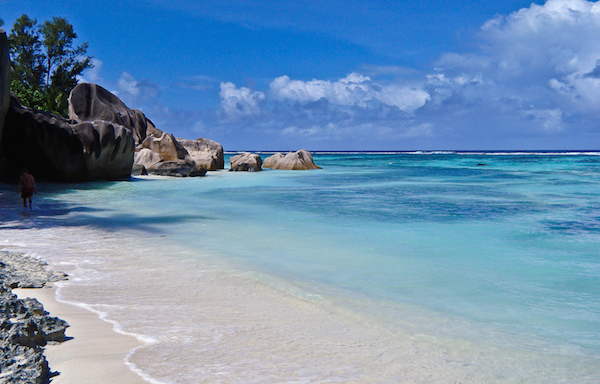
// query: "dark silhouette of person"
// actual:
[[27, 187]]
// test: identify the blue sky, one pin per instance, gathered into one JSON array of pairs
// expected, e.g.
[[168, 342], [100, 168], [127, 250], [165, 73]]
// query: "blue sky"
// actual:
[[348, 75]]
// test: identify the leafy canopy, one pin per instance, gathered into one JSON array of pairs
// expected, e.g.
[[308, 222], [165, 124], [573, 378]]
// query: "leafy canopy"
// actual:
[[45, 64]]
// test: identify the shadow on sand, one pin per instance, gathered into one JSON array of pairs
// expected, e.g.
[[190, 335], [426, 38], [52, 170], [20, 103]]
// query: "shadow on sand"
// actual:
[[50, 212]]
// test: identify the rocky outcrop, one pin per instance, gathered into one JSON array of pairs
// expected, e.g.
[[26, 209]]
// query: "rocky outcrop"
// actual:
[[90, 102], [273, 160], [205, 153], [300, 160], [20, 271], [54, 148], [177, 168], [101, 143], [25, 327], [250, 162], [4, 79]]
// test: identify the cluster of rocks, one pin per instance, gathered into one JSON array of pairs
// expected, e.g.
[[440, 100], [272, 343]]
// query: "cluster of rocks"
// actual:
[[100, 140], [155, 152], [103, 139], [300, 160], [25, 327]]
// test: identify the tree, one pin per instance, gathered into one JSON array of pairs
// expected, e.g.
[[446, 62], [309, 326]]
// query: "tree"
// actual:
[[45, 62], [24, 47]]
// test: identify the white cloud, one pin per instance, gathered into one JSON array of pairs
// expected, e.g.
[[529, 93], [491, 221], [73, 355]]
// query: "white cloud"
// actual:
[[352, 90], [556, 37], [136, 93], [538, 66], [240, 101], [550, 120], [92, 75]]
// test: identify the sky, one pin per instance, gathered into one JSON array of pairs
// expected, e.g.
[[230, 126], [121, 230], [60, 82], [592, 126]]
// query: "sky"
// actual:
[[348, 75]]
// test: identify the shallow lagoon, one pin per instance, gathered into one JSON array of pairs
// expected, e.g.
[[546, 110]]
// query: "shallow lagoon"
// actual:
[[422, 267]]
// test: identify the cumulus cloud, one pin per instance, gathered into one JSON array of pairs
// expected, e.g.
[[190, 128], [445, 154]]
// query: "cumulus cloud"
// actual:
[[92, 75], [354, 89], [237, 102], [136, 92], [533, 75], [537, 69], [545, 40]]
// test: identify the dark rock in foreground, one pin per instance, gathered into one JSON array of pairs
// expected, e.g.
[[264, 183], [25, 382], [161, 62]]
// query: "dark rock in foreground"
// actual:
[[300, 160], [25, 327], [250, 162], [53, 148]]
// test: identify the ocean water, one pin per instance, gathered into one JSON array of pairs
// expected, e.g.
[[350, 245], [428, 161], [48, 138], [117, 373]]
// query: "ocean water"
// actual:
[[429, 267]]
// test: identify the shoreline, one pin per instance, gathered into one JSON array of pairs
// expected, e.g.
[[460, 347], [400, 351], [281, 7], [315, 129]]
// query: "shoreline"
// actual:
[[49, 340], [93, 352]]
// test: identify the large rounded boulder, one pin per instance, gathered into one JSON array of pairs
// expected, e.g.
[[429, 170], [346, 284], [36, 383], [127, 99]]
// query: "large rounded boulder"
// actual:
[[89, 102], [300, 160], [205, 153], [250, 162], [167, 147]]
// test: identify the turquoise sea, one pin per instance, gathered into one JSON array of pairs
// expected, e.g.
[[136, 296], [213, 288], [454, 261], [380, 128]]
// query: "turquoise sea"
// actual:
[[423, 267]]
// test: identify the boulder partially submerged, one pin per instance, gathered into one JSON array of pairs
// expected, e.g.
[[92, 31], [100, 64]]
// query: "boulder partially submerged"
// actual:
[[250, 162], [300, 160]]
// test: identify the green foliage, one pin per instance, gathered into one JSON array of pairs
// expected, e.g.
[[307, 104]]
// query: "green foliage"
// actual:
[[25, 53], [45, 62], [29, 96]]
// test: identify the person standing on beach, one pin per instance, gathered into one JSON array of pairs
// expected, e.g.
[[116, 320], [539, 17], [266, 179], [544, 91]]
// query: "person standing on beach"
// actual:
[[27, 187]]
